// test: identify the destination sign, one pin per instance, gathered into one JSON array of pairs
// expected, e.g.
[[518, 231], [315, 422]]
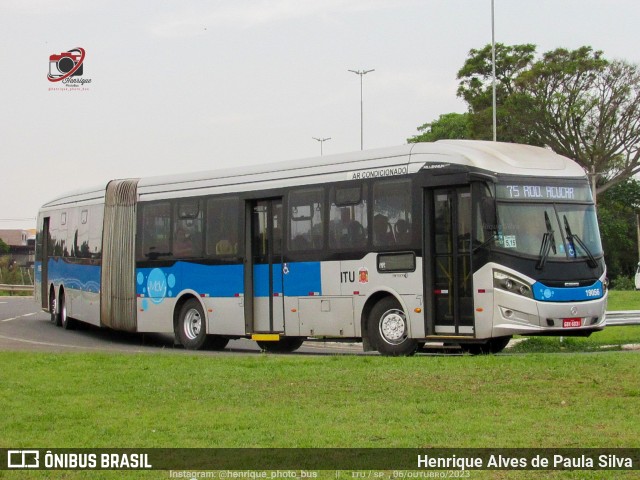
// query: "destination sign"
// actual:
[[543, 192]]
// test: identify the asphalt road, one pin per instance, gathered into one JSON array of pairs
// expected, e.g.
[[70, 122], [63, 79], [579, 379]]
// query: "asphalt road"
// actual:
[[25, 327]]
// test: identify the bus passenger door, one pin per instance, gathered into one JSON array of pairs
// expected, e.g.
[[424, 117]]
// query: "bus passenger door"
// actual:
[[266, 264], [449, 264]]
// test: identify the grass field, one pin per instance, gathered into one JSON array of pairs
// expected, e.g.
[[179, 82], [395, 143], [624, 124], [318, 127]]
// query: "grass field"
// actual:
[[624, 300], [168, 400]]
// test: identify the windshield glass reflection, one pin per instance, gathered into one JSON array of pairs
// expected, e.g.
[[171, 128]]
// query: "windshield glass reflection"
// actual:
[[522, 229]]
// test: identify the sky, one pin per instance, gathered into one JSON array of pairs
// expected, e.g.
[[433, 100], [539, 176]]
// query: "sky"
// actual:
[[180, 85]]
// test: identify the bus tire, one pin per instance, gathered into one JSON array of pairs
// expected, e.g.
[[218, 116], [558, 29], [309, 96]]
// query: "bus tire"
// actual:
[[284, 345], [192, 329], [389, 329], [66, 322], [494, 345], [53, 308]]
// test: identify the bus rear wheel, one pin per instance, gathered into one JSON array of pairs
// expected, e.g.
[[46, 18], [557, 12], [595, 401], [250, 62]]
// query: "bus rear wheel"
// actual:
[[66, 322], [389, 329], [53, 308], [284, 345], [191, 329]]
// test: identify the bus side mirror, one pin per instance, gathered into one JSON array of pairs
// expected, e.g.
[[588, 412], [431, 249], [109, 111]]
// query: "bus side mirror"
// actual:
[[488, 214]]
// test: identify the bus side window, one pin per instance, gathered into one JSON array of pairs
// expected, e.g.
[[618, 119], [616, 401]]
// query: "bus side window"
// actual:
[[306, 219], [156, 229], [222, 227], [187, 230], [392, 219], [348, 218]]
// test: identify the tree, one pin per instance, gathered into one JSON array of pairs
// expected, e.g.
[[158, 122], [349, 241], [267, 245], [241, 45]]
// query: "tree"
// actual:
[[617, 218], [575, 101], [447, 126], [586, 108], [476, 88], [4, 248]]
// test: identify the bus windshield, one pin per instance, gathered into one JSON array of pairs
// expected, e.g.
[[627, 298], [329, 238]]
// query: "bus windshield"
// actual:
[[557, 230]]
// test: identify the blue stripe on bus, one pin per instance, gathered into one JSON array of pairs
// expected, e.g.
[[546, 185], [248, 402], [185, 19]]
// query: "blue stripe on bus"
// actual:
[[74, 276], [567, 294], [261, 280], [37, 272], [215, 281], [300, 279]]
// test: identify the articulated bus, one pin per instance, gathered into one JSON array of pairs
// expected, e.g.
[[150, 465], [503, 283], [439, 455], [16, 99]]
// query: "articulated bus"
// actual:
[[453, 243]]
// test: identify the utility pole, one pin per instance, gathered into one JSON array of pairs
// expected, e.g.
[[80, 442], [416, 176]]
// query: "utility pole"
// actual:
[[361, 73]]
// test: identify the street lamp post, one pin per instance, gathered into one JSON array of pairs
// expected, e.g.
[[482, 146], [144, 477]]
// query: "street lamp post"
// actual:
[[493, 72], [321, 140], [361, 73], [638, 230]]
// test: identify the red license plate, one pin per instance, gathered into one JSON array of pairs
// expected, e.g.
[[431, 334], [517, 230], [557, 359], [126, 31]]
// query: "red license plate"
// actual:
[[571, 322]]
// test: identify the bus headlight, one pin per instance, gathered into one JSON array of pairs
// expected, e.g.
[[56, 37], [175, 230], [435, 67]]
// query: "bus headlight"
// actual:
[[505, 281]]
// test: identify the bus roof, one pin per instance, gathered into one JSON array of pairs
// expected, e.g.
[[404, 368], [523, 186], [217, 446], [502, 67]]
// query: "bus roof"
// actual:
[[492, 157]]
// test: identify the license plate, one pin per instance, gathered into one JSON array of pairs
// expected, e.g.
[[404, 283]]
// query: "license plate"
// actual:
[[571, 322]]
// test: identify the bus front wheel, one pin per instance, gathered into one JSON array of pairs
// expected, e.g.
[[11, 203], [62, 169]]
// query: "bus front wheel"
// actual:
[[191, 330], [389, 329]]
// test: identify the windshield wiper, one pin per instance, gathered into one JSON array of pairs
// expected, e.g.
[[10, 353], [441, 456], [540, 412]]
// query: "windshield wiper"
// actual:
[[547, 223], [572, 238], [548, 243]]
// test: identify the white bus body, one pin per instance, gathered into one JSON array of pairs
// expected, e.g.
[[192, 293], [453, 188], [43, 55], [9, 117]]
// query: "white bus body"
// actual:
[[461, 242]]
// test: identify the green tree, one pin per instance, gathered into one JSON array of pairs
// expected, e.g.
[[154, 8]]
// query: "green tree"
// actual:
[[574, 101], [617, 218], [586, 108], [447, 126], [476, 88], [4, 248]]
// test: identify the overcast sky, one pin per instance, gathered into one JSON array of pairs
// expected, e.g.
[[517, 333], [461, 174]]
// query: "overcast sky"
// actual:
[[193, 85]]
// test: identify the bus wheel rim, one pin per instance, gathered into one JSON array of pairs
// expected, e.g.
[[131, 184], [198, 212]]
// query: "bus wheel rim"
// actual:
[[393, 327], [192, 324], [53, 305]]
